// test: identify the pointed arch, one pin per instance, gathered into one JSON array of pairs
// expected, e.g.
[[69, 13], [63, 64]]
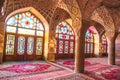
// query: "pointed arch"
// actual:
[[42, 19], [91, 42], [65, 40]]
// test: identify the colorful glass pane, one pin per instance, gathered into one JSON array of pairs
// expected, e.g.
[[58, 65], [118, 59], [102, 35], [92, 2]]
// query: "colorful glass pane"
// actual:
[[89, 37], [71, 31], [30, 45], [104, 40], [104, 49], [64, 32], [21, 45], [60, 36], [25, 23], [13, 20], [104, 44], [56, 36], [40, 26], [10, 44], [88, 48], [71, 47], [66, 47], [26, 20], [64, 28], [39, 46], [72, 38], [11, 29], [91, 48], [60, 47]]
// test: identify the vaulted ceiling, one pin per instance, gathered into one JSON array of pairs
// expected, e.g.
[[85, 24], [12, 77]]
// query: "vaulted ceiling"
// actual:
[[50, 9]]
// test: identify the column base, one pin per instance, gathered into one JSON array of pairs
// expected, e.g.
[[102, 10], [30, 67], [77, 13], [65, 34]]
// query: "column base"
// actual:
[[51, 57], [80, 71]]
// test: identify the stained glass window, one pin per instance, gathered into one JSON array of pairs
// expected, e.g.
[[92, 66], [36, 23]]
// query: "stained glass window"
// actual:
[[104, 44], [13, 20], [89, 42], [10, 44], [65, 39], [27, 20], [71, 47], [60, 47], [28, 24], [39, 46], [66, 47], [21, 45], [30, 45]]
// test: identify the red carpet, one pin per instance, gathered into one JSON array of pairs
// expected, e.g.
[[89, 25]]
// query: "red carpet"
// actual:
[[98, 71], [16, 71], [71, 62], [95, 69], [26, 68], [107, 73], [112, 74]]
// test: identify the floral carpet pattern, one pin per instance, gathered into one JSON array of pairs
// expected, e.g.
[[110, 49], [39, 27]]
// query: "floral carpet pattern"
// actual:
[[95, 69], [70, 63], [107, 73], [26, 68], [11, 71]]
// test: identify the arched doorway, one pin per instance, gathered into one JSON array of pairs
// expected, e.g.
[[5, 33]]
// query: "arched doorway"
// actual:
[[24, 37], [65, 41], [104, 45]]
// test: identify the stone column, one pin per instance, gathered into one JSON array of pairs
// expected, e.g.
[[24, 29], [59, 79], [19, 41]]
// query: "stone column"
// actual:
[[111, 54], [51, 50], [2, 31], [51, 44], [79, 53]]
